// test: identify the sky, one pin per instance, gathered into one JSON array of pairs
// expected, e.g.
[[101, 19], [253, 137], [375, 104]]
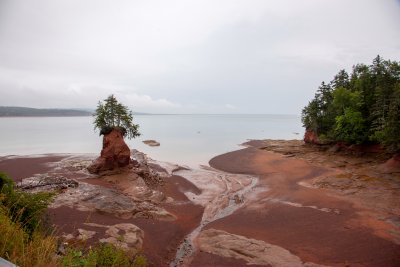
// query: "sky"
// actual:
[[181, 56]]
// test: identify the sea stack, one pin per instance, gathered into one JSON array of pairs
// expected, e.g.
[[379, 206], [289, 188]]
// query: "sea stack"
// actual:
[[115, 153]]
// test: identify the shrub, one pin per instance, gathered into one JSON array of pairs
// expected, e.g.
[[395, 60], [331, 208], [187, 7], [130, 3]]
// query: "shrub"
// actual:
[[25, 208], [105, 255], [350, 127]]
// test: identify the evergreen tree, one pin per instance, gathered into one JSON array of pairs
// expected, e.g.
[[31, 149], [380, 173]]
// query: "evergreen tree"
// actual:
[[359, 109], [113, 115], [390, 134], [341, 80]]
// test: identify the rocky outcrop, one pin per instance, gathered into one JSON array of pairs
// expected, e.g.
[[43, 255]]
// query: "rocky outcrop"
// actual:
[[115, 153], [392, 165], [126, 236], [46, 183], [88, 197], [311, 137], [251, 250]]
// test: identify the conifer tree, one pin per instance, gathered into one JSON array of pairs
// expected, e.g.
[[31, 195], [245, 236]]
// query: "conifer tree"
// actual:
[[112, 115], [361, 109]]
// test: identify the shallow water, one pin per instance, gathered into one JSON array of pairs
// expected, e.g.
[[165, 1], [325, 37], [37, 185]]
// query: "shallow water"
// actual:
[[185, 139]]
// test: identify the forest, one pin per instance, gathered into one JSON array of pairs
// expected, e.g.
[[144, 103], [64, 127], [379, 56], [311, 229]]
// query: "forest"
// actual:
[[358, 108]]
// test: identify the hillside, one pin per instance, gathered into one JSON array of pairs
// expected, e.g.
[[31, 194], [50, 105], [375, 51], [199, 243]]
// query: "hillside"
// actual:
[[34, 112]]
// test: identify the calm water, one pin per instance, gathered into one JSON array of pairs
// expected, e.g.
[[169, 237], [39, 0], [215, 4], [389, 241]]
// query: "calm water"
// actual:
[[185, 139]]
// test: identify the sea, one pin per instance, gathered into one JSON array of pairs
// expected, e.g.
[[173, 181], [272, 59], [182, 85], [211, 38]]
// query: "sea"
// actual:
[[190, 140]]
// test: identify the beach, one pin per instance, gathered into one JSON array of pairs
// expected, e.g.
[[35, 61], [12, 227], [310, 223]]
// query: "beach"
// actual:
[[271, 203]]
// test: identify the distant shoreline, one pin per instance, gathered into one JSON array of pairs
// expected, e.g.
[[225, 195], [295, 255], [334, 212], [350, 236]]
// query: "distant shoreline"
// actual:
[[14, 111], [42, 116], [36, 112]]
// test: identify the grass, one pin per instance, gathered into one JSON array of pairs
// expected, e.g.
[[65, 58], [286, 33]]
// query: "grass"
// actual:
[[23, 248]]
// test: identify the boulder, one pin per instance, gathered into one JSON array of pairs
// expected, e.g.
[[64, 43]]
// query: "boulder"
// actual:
[[151, 142], [115, 153], [311, 137], [252, 251]]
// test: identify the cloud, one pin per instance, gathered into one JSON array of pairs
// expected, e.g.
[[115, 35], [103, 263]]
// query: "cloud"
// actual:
[[229, 106], [187, 56], [145, 102], [79, 95]]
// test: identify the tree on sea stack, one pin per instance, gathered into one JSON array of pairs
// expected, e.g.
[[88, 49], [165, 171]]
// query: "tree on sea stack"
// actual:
[[114, 121]]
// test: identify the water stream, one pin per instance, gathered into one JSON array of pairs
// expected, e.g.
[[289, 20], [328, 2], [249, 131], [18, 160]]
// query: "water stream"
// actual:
[[220, 205]]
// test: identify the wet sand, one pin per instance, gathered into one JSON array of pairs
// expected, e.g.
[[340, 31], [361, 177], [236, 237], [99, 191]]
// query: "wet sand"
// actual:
[[23, 167]]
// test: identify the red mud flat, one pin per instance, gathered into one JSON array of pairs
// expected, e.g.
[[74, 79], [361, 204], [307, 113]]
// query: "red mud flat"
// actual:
[[204, 259], [308, 222], [23, 167]]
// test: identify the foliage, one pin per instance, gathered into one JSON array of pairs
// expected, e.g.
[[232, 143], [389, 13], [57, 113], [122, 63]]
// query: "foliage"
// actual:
[[113, 115], [105, 255], [22, 241], [140, 261], [16, 246], [350, 127], [359, 108], [24, 208]]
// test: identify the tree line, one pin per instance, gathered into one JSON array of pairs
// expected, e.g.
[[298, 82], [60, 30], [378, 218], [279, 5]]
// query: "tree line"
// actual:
[[360, 108]]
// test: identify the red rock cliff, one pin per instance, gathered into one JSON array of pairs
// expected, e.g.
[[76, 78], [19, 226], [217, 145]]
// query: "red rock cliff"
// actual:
[[311, 137]]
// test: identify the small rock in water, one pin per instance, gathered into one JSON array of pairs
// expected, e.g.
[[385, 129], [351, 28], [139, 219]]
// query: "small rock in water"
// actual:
[[151, 142]]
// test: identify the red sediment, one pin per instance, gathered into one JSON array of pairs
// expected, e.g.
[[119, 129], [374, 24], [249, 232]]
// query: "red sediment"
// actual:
[[392, 165], [203, 259], [24, 167], [331, 238], [176, 186]]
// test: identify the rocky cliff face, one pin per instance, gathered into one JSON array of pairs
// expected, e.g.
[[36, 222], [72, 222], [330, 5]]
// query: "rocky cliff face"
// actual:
[[115, 153], [311, 137]]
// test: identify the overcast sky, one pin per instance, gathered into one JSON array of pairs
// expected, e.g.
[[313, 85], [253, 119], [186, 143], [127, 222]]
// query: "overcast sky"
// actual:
[[206, 56]]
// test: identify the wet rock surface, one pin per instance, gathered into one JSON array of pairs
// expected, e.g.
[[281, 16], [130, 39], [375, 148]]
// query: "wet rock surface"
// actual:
[[88, 197], [360, 176], [127, 236], [250, 250], [221, 195], [48, 183], [125, 193]]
